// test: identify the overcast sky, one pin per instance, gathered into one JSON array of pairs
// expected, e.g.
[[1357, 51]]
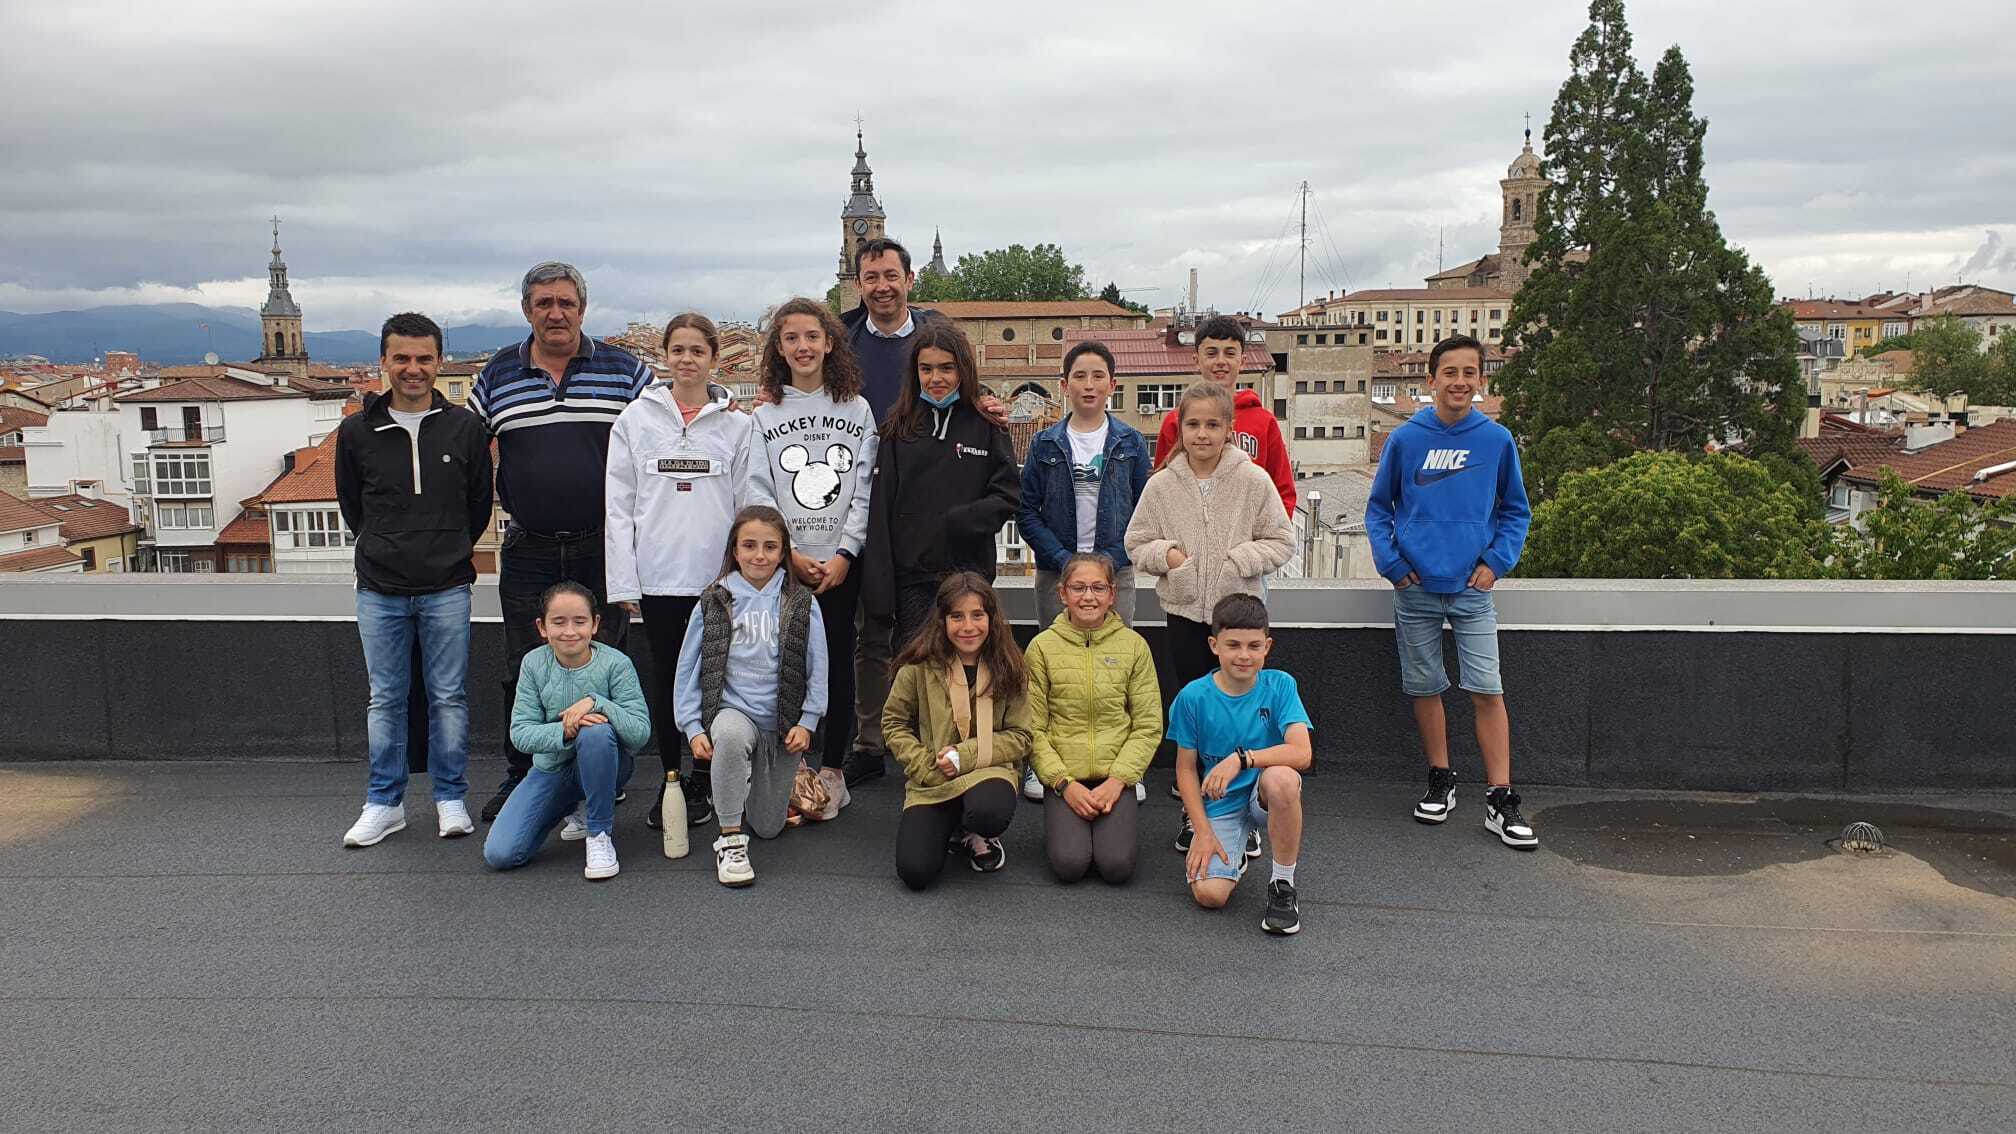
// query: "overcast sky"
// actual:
[[422, 155]]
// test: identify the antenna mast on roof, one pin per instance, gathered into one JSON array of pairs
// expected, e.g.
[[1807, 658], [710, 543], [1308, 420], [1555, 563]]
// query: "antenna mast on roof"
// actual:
[[1302, 273]]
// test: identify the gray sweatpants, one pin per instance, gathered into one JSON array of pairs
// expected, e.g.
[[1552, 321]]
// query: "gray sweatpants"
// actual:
[[1049, 606], [752, 774]]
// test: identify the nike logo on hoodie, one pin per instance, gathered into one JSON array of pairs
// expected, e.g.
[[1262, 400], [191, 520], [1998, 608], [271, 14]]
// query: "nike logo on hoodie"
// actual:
[[1441, 464]]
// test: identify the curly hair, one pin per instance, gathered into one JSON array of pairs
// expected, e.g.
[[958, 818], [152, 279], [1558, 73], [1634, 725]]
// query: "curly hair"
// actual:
[[842, 371]]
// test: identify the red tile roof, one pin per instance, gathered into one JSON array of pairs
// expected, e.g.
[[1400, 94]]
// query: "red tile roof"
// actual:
[[12, 419], [1032, 309], [1811, 309], [312, 480], [86, 518], [38, 559], [249, 527], [20, 515], [1938, 469], [211, 390], [1140, 352]]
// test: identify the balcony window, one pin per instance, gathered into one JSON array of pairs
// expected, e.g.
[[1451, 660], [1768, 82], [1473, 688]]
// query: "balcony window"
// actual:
[[172, 562], [1384, 393], [178, 517], [142, 486], [313, 528], [181, 474]]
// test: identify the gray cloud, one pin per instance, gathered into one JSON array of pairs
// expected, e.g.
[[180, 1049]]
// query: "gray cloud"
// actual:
[[697, 155]]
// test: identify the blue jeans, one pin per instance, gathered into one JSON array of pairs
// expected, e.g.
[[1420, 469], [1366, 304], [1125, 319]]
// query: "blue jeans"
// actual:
[[388, 625], [544, 798], [1417, 630]]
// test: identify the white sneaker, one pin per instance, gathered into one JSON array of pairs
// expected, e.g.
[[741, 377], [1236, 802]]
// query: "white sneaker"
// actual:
[[376, 822], [452, 817], [1140, 792], [836, 792], [731, 860], [601, 858], [1032, 788], [575, 828]]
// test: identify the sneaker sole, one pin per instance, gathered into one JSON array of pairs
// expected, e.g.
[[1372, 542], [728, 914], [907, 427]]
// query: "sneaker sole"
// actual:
[[567, 836], [1433, 816], [592, 876], [1531, 842], [1255, 852], [458, 832], [1280, 932], [372, 842], [735, 883]]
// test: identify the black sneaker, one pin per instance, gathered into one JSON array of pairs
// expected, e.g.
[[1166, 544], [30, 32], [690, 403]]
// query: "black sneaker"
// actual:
[[862, 765], [655, 818], [1502, 818], [1440, 799], [985, 855], [496, 803], [1184, 836], [1253, 844], [1282, 917], [699, 789], [622, 794]]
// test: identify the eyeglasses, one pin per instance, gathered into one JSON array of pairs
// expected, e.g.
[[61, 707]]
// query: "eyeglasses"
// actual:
[[1081, 590]]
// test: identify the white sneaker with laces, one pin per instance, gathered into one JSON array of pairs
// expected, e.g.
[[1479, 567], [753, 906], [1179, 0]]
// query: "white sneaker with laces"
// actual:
[[451, 817], [601, 858], [731, 860], [1032, 788], [575, 828], [377, 821]]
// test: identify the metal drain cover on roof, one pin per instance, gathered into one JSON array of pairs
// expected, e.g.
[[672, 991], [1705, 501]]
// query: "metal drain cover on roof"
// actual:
[[1861, 838]]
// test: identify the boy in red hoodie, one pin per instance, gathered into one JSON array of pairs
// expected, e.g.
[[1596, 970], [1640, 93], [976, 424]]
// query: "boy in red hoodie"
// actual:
[[1220, 347]]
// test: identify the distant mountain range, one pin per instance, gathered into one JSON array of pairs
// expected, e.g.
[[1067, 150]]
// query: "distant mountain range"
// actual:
[[172, 333]]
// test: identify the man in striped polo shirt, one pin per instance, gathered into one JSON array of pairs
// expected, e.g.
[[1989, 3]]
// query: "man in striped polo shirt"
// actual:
[[550, 402]]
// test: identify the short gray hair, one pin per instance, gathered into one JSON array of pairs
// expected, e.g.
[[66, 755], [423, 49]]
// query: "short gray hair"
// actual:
[[548, 272]]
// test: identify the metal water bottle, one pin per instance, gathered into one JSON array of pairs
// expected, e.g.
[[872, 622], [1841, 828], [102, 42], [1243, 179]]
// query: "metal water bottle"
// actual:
[[672, 814]]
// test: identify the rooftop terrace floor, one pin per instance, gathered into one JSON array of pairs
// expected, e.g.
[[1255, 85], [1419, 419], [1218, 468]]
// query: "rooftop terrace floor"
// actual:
[[186, 946]]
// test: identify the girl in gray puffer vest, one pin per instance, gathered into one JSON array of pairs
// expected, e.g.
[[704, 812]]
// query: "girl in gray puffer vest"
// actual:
[[751, 686]]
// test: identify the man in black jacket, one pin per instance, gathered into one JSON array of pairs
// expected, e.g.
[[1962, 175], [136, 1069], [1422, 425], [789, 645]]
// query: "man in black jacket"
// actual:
[[413, 481]]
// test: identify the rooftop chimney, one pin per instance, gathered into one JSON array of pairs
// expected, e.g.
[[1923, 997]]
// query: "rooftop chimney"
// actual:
[[1193, 289]]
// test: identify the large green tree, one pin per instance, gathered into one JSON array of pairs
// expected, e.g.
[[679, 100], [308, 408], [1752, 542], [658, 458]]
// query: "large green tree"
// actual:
[[1953, 537], [1016, 273], [1947, 360], [1673, 516], [1638, 316]]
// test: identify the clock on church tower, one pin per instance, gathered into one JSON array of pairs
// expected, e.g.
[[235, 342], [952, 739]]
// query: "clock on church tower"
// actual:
[[861, 220]]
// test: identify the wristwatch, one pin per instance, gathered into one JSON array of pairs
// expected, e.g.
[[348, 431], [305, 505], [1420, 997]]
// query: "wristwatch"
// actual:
[[1062, 783], [1245, 757]]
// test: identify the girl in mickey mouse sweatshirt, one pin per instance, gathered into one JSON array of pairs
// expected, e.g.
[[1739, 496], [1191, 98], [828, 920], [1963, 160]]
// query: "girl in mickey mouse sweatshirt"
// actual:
[[813, 458]]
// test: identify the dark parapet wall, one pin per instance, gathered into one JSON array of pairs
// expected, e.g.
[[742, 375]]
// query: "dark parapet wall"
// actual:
[[154, 668]]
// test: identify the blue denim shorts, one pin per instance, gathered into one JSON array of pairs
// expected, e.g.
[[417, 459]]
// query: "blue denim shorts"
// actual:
[[1231, 831], [1417, 630]]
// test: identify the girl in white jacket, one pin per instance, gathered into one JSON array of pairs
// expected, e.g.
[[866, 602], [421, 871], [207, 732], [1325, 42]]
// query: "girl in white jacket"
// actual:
[[678, 470], [813, 459]]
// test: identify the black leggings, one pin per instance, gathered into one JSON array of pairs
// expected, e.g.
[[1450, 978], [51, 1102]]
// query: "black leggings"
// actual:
[[924, 830], [1190, 655], [665, 618], [836, 610]]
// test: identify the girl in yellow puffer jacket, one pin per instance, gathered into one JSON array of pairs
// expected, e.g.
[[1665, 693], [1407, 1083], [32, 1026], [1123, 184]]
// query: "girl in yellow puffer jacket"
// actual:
[[1095, 710]]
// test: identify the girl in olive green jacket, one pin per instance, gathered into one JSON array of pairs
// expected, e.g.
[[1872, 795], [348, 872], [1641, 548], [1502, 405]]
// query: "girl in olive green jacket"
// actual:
[[957, 720], [1096, 710]]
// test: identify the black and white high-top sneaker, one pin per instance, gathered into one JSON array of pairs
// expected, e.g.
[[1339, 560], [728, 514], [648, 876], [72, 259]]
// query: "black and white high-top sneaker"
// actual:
[[1440, 798], [1502, 818]]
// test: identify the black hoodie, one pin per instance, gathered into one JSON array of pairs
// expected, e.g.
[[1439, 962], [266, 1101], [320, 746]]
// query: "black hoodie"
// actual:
[[417, 505], [939, 499]]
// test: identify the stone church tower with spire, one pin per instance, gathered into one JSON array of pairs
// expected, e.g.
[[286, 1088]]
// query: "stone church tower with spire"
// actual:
[[1521, 189], [280, 318], [861, 220]]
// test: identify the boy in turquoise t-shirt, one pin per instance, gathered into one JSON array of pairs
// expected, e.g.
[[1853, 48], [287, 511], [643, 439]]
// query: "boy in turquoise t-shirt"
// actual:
[[1242, 744]]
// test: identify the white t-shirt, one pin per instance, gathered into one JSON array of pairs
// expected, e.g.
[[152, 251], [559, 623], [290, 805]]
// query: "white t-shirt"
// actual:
[[410, 422], [1088, 468]]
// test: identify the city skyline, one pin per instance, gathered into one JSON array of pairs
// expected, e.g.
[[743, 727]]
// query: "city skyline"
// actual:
[[410, 176]]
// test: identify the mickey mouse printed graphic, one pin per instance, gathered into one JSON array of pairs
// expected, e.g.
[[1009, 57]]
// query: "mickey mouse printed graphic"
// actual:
[[815, 484]]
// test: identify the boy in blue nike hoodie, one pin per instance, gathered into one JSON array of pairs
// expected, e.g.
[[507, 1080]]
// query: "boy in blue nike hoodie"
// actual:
[[1447, 518]]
